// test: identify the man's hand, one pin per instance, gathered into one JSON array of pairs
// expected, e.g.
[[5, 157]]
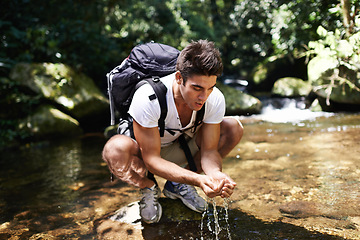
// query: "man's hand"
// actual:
[[210, 186], [228, 187], [219, 184]]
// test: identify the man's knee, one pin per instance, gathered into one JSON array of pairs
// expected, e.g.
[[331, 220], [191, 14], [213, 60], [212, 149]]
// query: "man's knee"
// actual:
[[232, 128], [121, 154], [119, 146]]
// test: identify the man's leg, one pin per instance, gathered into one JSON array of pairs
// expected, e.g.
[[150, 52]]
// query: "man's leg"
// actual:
[[186, 193], [231, 132], [122, 155]]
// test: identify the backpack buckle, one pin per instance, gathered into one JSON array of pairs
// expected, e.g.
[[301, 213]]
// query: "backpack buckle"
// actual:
[[155, 78]]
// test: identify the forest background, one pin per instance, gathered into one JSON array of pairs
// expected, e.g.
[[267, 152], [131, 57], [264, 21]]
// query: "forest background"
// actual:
[[93, 36]]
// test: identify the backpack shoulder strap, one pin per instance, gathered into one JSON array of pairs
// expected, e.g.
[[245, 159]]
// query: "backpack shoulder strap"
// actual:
[[160, 93], [111, 99], [199, 117]]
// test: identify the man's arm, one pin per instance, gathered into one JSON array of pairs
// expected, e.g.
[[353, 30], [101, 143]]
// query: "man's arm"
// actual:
[[150, 145], [211, 160]]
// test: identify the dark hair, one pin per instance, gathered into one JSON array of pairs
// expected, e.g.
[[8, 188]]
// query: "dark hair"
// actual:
[[199, 58]]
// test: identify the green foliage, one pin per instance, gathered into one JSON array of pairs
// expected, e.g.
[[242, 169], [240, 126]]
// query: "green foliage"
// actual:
[[15, 103], [54, 31], [260, 29], [345, 53], [333, 45], [94, 36], [135, 22]]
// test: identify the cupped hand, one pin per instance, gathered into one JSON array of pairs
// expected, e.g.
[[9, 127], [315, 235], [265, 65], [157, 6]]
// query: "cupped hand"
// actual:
[[211, 187], [229, 184]]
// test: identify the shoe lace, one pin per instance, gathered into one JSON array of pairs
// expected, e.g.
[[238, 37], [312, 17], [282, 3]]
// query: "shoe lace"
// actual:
[[188, 190], [149, 195]]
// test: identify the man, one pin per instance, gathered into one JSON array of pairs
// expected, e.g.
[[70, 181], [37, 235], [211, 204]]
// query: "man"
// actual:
[[188, 89]]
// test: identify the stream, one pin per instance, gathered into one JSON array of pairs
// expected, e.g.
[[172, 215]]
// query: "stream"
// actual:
[[297, 175]]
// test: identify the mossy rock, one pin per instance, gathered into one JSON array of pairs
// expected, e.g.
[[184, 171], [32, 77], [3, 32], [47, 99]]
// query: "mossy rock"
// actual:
[[321, 70], [238, 102], [59, 83], [48, 121], [318, 66], [291, 87]]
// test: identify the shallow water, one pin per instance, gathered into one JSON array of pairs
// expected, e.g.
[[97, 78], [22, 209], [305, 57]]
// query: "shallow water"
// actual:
[[297, 174], [44, 175]]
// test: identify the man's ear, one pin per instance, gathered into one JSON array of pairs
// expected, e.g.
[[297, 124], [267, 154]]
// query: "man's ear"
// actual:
[[178, 77]]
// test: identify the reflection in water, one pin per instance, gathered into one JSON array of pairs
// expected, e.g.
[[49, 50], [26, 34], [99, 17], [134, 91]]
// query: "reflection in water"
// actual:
[[42, 176], [295, 175]]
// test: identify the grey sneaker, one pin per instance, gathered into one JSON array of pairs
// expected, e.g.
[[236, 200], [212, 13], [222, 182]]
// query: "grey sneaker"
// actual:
[[150, 208], [187, 194]]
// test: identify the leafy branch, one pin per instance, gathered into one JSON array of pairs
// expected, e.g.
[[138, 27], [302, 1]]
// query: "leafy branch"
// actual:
[[333, 78]]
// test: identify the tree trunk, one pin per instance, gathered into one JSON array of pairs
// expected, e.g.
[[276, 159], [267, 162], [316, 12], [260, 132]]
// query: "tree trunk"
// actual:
[[348, 20]]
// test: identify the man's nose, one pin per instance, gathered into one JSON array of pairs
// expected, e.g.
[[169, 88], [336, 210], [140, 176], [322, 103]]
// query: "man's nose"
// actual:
[[202, 96]]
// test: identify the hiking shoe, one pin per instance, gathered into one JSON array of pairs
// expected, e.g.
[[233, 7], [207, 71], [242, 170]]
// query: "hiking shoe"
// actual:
[[187, 194], [150, 208]]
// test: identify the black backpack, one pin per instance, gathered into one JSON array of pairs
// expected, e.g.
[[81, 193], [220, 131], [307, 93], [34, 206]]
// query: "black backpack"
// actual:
[[147, 63]]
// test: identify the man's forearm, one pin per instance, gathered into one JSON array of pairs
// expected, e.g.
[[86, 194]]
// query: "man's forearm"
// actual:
[[211, 161], [171, 171]]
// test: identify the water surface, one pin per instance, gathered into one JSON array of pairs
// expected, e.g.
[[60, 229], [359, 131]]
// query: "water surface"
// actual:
[[297, 174]]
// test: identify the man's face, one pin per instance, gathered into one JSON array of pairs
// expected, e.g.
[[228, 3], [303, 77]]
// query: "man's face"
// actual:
[[197, 89]]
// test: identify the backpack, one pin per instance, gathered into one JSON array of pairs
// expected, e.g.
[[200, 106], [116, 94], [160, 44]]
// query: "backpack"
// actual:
[[146, 64]]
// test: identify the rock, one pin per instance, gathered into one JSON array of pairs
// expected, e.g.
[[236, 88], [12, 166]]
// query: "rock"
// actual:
[[341, 94], [73, 91], [173, 211], [126, 222], [238, 102], [263, 71], [318, 66], [47, 121], [291, 87], [300, 209], [110, 131], [128, 214], [267, 72], [346, 82]]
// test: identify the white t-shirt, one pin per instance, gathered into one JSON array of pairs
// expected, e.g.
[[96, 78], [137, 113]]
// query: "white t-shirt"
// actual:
[[146, 112]]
